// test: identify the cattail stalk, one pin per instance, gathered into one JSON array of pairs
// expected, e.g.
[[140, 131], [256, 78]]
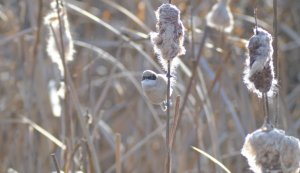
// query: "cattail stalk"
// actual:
[[168, 120], [259, 74], [168, 44], [275, 57], [37, 36], [118, 153], [62, 56], [60, 46], [62, 53], [194, 69], [55, 163]]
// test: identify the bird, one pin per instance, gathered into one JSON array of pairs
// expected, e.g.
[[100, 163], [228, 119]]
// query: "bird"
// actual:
[[155, 87]]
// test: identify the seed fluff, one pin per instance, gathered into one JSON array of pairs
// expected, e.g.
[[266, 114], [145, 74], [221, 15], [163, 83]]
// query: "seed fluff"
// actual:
[[259, 75]]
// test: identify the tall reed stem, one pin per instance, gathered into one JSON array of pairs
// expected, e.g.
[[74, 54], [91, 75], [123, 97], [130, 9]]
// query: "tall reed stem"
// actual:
[[194, 69], [266, 108], [55, 163], [275, 59], [63, 58], [168, 164]]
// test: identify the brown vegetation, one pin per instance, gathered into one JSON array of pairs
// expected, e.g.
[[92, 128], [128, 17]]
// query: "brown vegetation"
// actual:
[[104, 95]]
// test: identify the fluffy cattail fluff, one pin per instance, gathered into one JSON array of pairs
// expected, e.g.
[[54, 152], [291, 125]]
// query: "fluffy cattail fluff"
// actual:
[[168, 40], [220, 17], [155, 86], [174, 65], [54, 47], [55, 96], [272, 151], [259, 74]]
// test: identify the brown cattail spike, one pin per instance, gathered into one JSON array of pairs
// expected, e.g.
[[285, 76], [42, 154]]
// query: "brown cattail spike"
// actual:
[[259, 71], [168, 40]]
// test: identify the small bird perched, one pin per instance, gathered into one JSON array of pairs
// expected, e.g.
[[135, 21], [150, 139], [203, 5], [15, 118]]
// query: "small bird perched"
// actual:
[[155, 86], [220, 17], [259, 71]]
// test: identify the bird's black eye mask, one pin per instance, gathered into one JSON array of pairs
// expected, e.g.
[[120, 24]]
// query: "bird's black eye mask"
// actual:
[[150, 77]]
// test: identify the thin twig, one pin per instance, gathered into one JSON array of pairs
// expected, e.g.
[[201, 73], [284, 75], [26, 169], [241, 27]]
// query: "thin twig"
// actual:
[[37, 37], [275, 58], [118, 153], [218, 74], [168, 159], [266, 108], [255, 16], [62, 56], [69, 162], [215, 80], [60, 33], [128, 13], [136, 147], [69, 85], [194, 69], [176, 122], [192, 29], [55, 163], [91, 147], [44, 132], [211, 158]]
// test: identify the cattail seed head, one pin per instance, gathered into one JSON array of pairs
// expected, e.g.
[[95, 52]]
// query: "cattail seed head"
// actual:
[[220, 17], [54, 47], [259, 74], [272, 151], [55, 97], [168, 40], [155, 86]]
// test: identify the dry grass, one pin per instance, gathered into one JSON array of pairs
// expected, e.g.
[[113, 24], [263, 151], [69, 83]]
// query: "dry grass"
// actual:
[[105, 97]]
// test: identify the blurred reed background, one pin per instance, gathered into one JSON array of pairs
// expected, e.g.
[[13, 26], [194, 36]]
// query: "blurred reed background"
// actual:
[[112, 44]]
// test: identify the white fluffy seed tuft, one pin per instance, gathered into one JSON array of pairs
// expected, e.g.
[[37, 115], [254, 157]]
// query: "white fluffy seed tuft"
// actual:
[[272, 151], [168, 40], [220, 17], [259, 75], [54, 47]]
